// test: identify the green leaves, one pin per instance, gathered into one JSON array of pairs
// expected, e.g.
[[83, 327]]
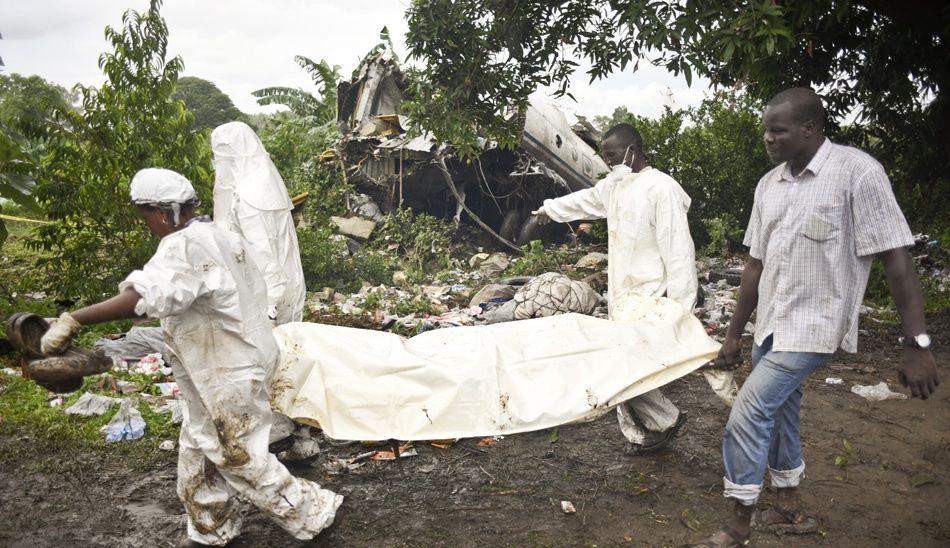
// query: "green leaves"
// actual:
[[302, 103], [130, 123]]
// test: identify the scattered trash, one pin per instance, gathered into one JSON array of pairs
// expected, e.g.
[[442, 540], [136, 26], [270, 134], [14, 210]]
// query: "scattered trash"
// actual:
[[568, 507], [56, 401], [92, 405], [169, 389], [127, 387], [167, 445], [400, 278], [593, 261], [11, 371], [173, 406], [877, 392], [489, 441], [151, 364], [404, 452], [354, 227], [126, 424], [338, 466], [304, 445], [494, 264], [834, 381]]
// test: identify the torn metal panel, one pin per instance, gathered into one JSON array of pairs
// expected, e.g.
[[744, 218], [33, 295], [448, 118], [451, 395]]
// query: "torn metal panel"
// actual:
[[496, 191], [549, 138]]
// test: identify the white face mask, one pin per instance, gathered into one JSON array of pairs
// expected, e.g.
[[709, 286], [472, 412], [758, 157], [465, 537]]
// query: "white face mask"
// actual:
[[626, 164]]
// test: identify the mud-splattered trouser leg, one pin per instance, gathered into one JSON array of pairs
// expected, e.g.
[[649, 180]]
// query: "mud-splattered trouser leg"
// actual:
[[224, 452], [763, 427], [646, 413]]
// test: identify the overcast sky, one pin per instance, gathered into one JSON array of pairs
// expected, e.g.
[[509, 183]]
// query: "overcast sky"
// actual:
[[244, 45]]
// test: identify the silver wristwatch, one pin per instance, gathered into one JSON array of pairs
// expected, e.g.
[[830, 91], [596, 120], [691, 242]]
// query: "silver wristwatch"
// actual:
[[919, 341]]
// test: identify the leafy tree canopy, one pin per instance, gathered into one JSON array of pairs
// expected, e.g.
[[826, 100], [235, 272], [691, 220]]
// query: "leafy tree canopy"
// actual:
[[885, 59], [130, 123], [211, 106]]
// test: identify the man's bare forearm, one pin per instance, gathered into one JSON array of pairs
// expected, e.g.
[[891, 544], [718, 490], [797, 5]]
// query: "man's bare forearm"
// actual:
[[748, 298], [120, 307], [905, 290]]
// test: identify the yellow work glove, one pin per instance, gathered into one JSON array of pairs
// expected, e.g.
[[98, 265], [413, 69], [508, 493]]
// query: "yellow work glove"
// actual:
[[60, 334]]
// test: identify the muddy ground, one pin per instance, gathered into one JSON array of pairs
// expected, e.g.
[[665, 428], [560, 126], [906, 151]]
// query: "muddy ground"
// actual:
[[890, 488]]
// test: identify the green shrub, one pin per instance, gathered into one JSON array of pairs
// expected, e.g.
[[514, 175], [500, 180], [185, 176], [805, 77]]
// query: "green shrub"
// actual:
[[425, 242], [327, 263], [538, 259], [722, 230]]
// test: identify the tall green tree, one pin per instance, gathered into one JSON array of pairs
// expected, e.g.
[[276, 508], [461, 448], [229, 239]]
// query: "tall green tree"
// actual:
[[130, 123], [885, 60], [322, 106], [211, 106], [26, 105]]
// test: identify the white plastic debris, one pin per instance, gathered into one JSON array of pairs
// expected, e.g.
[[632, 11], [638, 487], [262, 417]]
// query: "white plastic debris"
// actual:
[[304, 445], [170, 406], [11, 371], [877, 392], [126, 424], [169, 389], [90, 405], [167, 445], [151, 364], [568, 507], [834, 381]]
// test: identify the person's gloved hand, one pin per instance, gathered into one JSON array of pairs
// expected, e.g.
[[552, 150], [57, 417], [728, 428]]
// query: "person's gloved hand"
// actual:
[[60, 334], [541, 215]]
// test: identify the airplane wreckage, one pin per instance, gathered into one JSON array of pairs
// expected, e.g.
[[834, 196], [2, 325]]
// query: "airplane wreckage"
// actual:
[[497, 191]]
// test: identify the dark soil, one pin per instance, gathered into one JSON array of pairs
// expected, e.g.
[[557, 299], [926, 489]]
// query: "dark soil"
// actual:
[[890, 488]]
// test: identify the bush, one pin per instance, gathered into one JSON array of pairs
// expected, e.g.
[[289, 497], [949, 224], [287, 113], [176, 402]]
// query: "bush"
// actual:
[[327, 262], [296, 144], [537, 260], [425, 242]]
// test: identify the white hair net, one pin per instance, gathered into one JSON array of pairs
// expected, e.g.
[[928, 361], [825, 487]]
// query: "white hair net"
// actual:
[[164, 188]]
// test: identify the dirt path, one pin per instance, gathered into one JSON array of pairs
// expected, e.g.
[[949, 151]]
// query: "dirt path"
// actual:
[[890, 488]]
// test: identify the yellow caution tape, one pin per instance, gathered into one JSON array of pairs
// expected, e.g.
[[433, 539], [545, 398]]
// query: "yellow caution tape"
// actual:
[[23, 219], [300, 198]]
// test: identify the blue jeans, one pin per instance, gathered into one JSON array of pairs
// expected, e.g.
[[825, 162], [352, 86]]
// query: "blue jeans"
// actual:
[[763, 427]]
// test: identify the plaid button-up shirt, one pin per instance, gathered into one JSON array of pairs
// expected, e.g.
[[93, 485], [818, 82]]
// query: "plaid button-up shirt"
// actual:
[[816, 234]]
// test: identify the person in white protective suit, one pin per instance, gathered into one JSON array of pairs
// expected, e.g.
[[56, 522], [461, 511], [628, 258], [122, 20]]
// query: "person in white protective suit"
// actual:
[[650, 253], [250, 198], [211, 301]]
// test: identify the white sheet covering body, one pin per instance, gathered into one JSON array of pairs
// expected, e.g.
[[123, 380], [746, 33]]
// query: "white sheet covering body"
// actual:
[[250, 198], [486, 380]]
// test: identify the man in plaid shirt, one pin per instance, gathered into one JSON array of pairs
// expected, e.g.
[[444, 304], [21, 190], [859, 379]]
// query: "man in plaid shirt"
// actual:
[[818, 220]]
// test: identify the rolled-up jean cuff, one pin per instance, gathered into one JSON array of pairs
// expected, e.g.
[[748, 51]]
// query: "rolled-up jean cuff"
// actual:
[[745, 494], [782, 479]]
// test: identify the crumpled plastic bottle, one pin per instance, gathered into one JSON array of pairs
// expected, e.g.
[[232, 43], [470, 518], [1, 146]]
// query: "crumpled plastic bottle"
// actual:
[[126, 424]]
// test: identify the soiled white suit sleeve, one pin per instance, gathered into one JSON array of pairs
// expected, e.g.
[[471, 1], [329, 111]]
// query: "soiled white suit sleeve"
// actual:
[[676, 249], [171, 280], [576, 206]]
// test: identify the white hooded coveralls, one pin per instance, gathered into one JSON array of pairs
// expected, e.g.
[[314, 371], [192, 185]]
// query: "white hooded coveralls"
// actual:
[[250, 198], [210, 299], [649, 253]]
